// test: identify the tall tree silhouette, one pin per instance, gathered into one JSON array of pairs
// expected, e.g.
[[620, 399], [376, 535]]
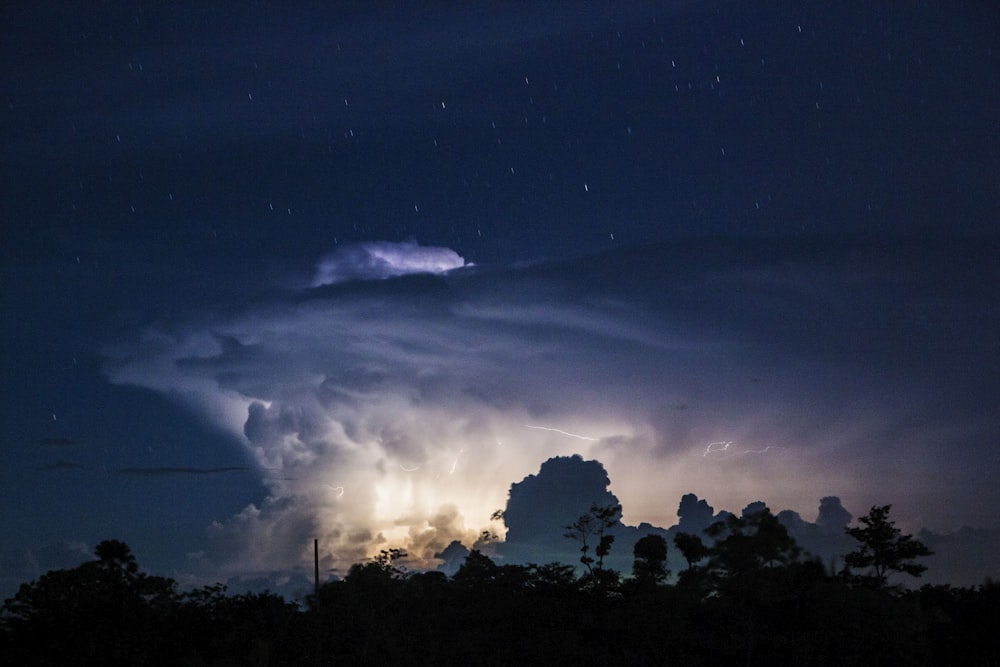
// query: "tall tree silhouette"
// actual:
[[749, 574], [595, 525], [883, 549]]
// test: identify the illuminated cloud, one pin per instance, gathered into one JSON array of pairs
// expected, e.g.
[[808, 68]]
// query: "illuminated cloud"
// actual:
[[399, 413], [541, 506], [383, 259]]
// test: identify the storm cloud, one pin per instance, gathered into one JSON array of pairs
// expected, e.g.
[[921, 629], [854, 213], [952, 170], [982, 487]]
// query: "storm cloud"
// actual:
[[397, 412]]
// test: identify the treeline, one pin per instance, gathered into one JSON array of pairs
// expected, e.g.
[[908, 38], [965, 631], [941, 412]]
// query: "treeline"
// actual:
[[748, 596]]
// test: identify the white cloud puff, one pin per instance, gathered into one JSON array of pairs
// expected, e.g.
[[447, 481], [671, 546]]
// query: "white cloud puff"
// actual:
[[377, 260]]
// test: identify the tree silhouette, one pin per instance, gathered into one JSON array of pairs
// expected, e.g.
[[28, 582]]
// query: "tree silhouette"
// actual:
[[748, 575], [883, 549], [554, 579], [477, 571], [595, 524], [650, 554], [750, 598], [691, 547], [102, 612], [116, 555], [749, 543], [216, 628]]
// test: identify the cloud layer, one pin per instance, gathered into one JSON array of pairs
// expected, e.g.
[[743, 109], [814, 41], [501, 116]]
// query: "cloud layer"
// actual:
[[398, 413]]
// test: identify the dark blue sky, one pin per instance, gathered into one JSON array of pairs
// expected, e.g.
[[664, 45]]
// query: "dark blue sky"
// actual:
[[758, 224]]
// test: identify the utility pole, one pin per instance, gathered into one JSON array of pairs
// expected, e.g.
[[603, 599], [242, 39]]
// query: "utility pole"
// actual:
[[316, 571], [316, 641]]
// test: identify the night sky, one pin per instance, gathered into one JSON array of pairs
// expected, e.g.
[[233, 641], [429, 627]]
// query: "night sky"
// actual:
[[349, 271]]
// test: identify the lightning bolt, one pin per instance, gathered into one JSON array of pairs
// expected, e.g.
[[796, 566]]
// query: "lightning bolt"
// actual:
[[561, 432], [720, 450], [716, 447]]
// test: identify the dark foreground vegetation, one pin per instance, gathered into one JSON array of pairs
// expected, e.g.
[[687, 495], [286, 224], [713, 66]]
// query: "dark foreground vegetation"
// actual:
[[747, 597]]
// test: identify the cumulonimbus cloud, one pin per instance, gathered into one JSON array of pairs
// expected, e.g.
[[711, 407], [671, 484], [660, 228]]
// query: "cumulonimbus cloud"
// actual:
[[399, 415]]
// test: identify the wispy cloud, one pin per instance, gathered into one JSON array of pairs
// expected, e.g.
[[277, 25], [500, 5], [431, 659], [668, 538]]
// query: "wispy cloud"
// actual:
[[56, 442], [59, 465], [168, 471]]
